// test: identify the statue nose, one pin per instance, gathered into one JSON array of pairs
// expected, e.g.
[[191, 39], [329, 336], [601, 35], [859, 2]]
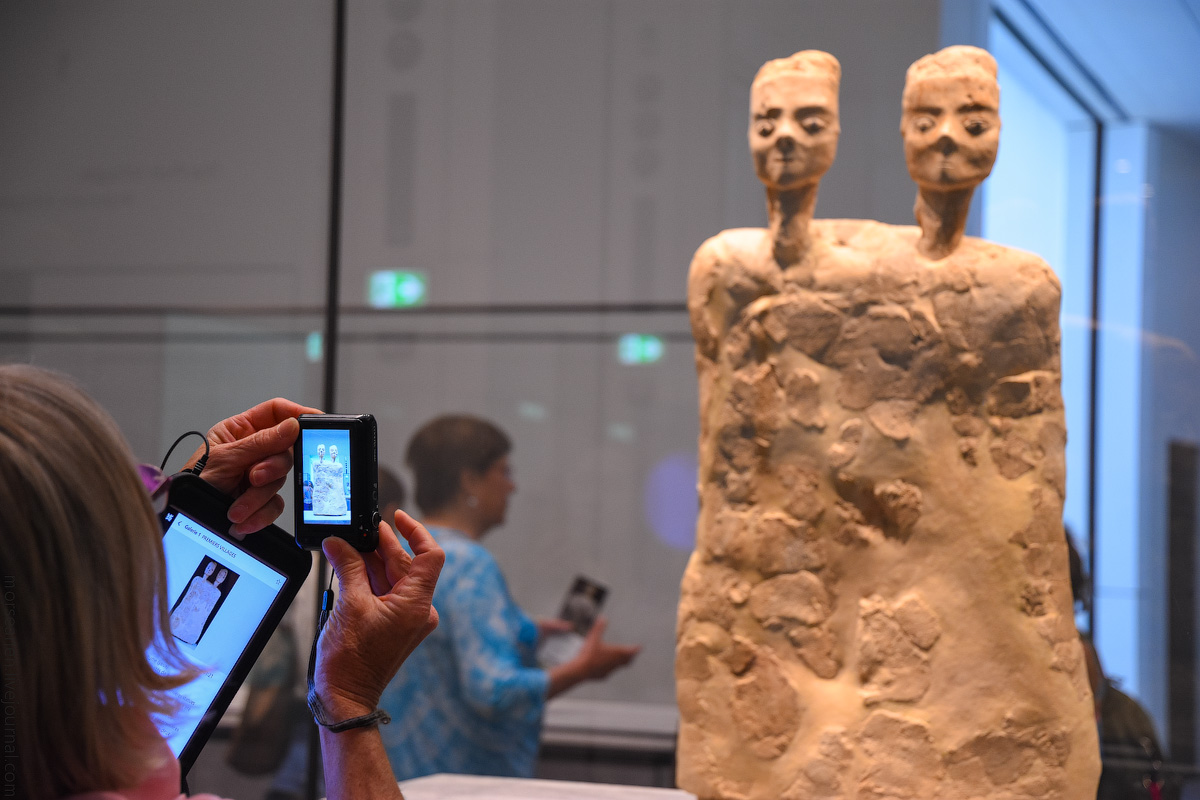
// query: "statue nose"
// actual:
[[785, 143], [946, 144]]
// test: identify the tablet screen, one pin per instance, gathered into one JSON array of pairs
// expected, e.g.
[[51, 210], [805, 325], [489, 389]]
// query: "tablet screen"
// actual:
[[219, 594]]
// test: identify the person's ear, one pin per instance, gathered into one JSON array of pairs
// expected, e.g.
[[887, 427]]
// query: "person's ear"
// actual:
[[469, 481]]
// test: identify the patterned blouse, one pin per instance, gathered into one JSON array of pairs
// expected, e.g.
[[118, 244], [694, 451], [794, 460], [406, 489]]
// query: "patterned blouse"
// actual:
[[469, 700]]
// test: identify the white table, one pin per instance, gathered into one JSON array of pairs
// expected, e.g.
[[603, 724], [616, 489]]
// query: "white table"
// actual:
[[473, 787]]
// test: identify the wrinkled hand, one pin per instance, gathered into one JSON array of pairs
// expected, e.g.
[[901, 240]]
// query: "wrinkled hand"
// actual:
[[251, 454], [598, 658], [383, 611]]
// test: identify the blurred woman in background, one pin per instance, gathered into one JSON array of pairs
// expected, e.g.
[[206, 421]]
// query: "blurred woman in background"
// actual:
[[472, 696]]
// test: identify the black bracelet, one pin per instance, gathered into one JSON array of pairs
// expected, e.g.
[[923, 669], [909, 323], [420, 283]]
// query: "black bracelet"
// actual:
[[320, 715]]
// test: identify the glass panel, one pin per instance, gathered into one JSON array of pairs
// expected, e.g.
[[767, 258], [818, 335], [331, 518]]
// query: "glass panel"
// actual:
[[604, 431]]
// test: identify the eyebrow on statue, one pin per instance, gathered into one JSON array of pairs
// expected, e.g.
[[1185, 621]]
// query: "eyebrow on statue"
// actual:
[[973, 107]]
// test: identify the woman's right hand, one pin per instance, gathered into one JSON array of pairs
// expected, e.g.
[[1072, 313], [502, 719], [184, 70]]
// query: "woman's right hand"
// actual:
[[383, 611], [598, 658], [595, 661]]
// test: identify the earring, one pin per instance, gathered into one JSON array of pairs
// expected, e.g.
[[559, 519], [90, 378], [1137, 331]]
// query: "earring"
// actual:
[[472, 501]]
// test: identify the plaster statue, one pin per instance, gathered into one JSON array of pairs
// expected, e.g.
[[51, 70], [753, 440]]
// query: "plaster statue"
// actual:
[[329, 492], [191, 615], [878, 604]]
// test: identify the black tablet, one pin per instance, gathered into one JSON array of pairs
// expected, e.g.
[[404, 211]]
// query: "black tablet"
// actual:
[[226, 598]]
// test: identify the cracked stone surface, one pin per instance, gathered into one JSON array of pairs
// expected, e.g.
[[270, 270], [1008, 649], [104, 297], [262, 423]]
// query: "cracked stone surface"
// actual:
[[878, 604]]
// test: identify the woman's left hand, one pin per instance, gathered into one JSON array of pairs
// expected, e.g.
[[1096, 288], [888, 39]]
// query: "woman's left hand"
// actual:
[[383, 611]]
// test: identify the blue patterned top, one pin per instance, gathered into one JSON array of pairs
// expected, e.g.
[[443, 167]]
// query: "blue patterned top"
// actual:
[[469, 699]]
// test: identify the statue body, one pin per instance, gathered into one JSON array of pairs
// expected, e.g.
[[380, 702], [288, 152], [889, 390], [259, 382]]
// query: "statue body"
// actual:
[[878, 604]]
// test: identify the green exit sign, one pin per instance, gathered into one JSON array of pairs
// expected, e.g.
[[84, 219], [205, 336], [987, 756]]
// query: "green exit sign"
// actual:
[[639, 348], [392, 288]]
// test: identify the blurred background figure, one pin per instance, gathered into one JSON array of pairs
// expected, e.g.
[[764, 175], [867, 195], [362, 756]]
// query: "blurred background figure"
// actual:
[[471, 699], [392, 495], [1130, 752]]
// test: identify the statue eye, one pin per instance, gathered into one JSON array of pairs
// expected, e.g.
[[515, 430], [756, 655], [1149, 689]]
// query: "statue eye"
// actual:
[[764, 127], [975, 125], [923, 123], [812, 125]]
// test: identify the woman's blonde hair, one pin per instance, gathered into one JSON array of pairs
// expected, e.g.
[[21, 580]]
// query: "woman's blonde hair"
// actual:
[[84, 587]]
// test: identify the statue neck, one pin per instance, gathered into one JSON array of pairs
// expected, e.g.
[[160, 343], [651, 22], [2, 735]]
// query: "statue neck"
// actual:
[[789, 211], [943, 218]]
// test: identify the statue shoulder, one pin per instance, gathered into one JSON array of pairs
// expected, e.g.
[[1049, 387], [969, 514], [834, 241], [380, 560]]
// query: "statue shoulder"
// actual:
[[735, 245]]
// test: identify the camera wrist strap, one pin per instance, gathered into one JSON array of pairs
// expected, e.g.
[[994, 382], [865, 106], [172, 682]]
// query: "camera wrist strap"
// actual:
[[315, 706]]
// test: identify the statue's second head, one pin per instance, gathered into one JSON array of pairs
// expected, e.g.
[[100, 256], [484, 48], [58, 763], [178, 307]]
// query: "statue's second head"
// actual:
[[951, 118], [794, 119]]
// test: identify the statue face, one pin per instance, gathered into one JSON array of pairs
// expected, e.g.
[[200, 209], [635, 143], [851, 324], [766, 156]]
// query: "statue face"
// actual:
[[951, 130], [221, 576], [333, 452], [793, 129], [320, 451], [208, 571]]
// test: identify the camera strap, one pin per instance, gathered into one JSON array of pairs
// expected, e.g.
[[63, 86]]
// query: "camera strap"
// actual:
[[320, 714]]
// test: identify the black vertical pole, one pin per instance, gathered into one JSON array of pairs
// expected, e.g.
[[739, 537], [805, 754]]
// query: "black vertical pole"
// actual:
[[333, 284], [1094, 382]]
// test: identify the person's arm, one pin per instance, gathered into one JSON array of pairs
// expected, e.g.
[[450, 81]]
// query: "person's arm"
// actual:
[[383, 611], [595, 661]]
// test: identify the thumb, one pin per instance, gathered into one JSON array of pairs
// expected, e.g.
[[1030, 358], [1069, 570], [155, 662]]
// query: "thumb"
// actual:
[[267, 442], [348, 565], [596, 634]]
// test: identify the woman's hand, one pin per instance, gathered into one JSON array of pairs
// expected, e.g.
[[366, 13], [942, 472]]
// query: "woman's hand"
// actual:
[[383, 611], [250, 456], [595, 661], [548, 626], [598, 658]]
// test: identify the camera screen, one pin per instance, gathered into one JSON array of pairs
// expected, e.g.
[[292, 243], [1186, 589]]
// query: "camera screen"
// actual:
[[326, 463], [219, 594]]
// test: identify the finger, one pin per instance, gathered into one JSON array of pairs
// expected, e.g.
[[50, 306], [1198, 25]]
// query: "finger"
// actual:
[[267, 442], [349, 567], [271, 468], [596, 634], [267, 414], [264, 516], [254, 499], [377, 573], [554, 625], [393, 554], [427, 558]]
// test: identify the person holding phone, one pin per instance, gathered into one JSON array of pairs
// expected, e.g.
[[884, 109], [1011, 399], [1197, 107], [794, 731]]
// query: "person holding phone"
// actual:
[[81, 560], [470, 700]]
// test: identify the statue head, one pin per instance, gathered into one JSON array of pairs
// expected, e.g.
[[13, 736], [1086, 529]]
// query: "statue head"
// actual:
[[208, 570], [951, 118], [333, 452], [320, 452], [222, 575], [794, 119]]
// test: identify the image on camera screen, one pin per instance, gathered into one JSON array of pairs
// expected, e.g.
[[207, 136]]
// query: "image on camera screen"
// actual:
[[326, 461]]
